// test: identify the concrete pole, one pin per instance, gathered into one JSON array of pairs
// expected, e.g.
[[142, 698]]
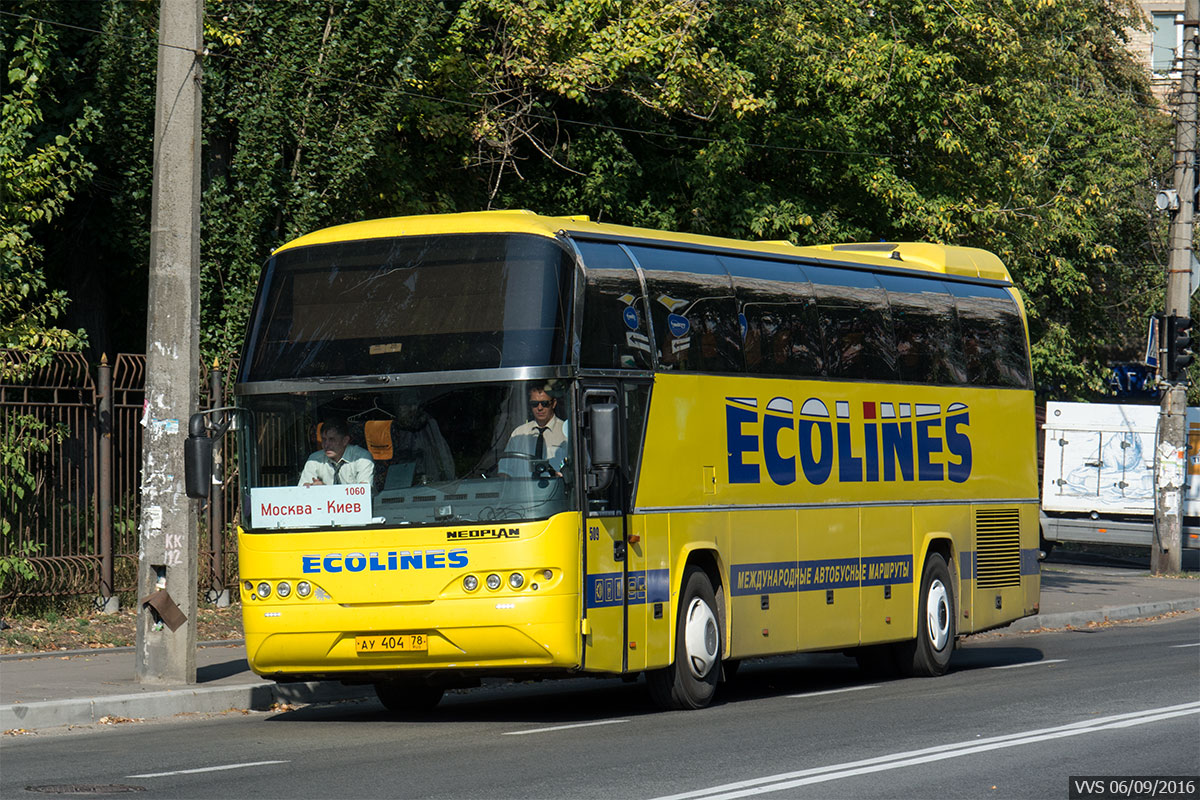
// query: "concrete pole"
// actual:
[[1166, 551], [167, 558]]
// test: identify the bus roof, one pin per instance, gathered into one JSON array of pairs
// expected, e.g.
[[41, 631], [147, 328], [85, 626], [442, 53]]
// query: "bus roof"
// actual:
[[946, 259]]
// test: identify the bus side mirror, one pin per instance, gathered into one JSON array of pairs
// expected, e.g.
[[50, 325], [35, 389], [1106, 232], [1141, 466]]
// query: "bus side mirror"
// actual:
[[197, 459], [602, 444]]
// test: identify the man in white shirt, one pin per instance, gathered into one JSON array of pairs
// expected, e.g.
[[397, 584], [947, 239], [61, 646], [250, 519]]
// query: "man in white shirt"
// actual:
[[544, 437], [340, 461]]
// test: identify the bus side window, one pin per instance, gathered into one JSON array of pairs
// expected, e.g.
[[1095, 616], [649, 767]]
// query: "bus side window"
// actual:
[[694, 310], [993, 338], [615, 331], [927, 339], [776, 301], [856, 325]]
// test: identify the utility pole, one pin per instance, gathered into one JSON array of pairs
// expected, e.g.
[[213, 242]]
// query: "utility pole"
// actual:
[[167, 557], [1165, 552]]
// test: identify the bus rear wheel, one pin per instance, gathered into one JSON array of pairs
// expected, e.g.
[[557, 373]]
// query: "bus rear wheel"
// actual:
[[929, 654], [408, 697], [691, 680]]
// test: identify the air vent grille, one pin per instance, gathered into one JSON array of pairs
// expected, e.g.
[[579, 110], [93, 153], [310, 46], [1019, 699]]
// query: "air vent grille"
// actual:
[[997, 548]]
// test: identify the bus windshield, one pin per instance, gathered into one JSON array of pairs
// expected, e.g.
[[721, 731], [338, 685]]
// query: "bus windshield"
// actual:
[[412, 304], [419, 455]]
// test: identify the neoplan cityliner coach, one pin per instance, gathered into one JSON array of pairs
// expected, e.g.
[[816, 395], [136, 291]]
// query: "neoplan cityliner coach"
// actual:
[[599, 449]]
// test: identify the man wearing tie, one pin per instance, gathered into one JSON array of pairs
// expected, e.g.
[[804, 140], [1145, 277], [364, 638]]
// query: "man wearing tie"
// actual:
[[545, 436], [339, 461]]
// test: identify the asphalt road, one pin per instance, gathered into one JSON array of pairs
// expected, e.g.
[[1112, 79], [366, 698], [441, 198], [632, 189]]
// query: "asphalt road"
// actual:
[[1017, 715]]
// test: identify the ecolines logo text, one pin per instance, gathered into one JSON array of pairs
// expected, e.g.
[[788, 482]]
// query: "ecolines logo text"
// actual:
[[887, 442], [387, 562]]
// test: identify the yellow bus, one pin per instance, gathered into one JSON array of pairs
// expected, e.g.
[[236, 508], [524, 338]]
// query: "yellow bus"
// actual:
[[562, 447]]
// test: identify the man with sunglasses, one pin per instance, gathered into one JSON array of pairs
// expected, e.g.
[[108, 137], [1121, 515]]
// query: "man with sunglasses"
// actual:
[[545, 436]]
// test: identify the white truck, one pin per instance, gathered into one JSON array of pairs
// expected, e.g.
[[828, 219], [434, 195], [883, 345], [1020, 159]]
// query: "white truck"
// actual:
[[1098, 474]]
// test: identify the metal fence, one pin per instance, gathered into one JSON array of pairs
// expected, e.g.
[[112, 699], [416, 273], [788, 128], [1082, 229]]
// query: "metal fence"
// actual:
[[78, 526]]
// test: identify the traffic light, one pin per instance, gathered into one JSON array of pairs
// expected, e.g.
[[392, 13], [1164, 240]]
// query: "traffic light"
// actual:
[[1179, 348]]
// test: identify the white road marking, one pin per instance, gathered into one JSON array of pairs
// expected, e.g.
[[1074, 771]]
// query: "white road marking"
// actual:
[[1193, 644], [1031, 663], [791, 780], [207, 769], [837, 691], [565, 727]]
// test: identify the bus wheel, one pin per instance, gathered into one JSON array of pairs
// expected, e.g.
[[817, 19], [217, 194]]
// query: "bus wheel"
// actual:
[[404, 697], [691, 680], [929, 654]]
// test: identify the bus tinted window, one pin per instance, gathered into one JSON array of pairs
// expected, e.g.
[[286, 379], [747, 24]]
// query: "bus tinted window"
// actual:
[[993, 337], [927, 341], [415, 304], [782, 336], [855, 325], [692, 309], [615, 332]]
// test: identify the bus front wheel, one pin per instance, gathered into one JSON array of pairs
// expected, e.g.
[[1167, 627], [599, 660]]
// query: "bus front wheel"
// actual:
[[929, 654], [690, 681], [404, 697]]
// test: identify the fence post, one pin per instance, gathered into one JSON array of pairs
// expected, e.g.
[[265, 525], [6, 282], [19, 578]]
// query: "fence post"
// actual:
[[216, 500], [108, 602]]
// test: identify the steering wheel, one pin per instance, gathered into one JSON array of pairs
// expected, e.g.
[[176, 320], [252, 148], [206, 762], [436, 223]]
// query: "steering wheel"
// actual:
[[539, 467]]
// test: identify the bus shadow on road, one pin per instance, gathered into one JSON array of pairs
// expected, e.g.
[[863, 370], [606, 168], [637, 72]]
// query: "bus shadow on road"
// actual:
[[973, 658], [551, 702], [576, 701]]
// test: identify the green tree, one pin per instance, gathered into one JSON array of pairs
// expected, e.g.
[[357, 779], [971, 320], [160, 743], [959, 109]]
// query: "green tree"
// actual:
[[39, 169], [1024, 128]]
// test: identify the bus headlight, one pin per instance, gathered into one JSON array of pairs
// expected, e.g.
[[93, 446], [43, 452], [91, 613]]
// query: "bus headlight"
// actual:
[[470, 583], [493, 581], [516, 580], [264, 590], [303, 588], [284, 589], [248, 586]]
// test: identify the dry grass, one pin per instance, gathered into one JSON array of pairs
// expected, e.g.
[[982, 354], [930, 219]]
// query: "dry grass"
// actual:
[[50, 631]]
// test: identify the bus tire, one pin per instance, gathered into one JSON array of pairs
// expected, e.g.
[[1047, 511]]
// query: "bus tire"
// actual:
[[928, 655], [408, 698], [691, 680]]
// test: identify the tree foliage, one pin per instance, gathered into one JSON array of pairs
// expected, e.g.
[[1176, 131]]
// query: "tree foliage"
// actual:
[[1022, 126], [40, 168]]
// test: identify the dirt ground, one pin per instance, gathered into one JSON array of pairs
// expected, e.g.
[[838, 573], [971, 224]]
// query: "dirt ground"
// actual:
[[95, 631]]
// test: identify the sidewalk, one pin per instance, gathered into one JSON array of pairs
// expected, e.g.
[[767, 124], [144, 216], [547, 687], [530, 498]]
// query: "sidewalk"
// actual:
[[51, 690]]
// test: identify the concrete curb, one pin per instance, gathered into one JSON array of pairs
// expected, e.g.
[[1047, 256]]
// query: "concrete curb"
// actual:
[[1114, 613], [168, 703]]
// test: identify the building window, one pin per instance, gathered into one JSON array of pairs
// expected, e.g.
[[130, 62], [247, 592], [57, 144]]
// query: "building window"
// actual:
[[1168, 41]]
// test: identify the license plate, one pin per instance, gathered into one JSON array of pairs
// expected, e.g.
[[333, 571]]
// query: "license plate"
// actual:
[[392, 643]]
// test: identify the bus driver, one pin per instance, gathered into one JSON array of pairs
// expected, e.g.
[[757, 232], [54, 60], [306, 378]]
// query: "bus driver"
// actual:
[[545, 436], [339, 461]]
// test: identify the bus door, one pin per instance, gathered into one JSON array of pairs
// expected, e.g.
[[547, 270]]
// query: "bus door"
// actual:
[[610, 562]]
